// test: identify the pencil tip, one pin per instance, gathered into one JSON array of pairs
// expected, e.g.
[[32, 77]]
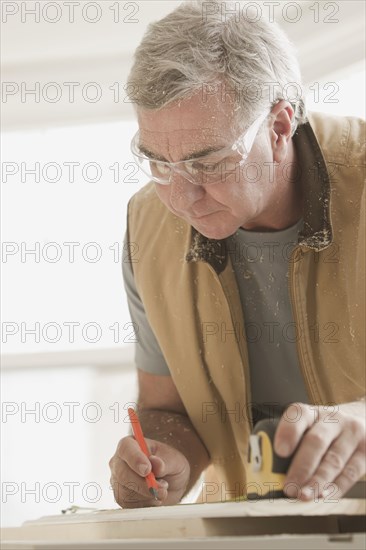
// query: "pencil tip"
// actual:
[[154, 492]]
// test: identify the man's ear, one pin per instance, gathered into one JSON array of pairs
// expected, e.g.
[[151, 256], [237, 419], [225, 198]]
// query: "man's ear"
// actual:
[[282, 116]]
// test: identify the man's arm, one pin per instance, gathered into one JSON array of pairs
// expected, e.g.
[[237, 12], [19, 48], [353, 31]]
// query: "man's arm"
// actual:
[[148, 355], [171, 437], [177, 454], [163, 418]]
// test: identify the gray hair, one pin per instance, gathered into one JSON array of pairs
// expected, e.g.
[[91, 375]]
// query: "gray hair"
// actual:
[[204, 46]]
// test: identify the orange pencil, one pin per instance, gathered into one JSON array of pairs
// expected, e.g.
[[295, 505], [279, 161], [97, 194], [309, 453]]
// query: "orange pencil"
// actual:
[[139, 436]]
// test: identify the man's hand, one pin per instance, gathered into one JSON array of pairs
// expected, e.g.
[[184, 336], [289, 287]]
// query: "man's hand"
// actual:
[[331, 453], [129, 466]]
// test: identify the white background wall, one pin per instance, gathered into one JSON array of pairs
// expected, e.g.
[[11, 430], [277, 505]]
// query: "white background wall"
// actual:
[[94, 370]]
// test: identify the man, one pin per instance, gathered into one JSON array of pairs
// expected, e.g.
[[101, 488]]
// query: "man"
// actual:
[[248, 278]]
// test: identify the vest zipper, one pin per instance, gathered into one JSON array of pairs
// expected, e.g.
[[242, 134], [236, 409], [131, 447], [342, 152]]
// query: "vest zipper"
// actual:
[[243, 355], [243, 350], [291, 286]]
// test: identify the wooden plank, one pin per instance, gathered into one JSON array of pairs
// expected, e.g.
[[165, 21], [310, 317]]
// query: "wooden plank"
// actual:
[[280, 542], [198, 520]]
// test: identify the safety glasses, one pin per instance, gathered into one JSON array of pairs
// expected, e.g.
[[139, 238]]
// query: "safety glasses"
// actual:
[[212, 168]]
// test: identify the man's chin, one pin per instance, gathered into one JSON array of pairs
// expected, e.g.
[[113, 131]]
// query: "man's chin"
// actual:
[[214, 232]]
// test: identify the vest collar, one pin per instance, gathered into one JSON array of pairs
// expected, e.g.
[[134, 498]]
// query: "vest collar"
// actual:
[[314, 179], [207, 250]]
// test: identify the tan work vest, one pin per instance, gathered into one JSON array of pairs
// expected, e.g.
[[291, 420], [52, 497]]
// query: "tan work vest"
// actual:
[[188, 287]]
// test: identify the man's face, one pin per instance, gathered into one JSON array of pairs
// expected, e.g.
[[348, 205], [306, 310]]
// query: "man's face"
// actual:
[[242, 198]]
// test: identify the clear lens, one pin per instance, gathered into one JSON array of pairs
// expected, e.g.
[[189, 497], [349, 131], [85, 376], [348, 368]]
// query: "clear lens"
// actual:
[[155, 170], [159, 169], [219, 172], [197, 171]]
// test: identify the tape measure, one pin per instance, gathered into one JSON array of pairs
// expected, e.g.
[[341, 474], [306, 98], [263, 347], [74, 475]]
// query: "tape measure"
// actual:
[[267, 470]]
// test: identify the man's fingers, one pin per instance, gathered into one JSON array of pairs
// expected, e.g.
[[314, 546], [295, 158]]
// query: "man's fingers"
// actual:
[[294, 422], [130, 489], [129, 451], [130, 486], [333, 462], [172, 465], [351, 473], [127, 482], [328, 452], [158, 466], [310, 454], [130, 466], [132, 495]]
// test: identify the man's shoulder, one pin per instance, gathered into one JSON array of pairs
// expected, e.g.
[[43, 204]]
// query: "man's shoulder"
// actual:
[[146, 197], [146, 194], [146, 207], [341, 138]]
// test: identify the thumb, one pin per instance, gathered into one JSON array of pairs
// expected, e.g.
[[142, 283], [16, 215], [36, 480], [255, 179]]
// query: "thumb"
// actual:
[[295, 421]]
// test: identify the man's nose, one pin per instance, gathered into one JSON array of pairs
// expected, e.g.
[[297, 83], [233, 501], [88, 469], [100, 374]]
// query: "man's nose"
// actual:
[[183, 193]]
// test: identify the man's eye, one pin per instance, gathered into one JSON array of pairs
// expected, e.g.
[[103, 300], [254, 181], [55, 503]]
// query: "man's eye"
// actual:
[[206, 168], [159, 168]]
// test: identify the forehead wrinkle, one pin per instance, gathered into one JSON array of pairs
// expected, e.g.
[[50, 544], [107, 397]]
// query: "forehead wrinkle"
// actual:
[[194, 147]]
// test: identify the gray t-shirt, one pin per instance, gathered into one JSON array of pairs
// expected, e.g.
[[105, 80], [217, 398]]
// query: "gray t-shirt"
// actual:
[[260, 261], [261, 265]]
